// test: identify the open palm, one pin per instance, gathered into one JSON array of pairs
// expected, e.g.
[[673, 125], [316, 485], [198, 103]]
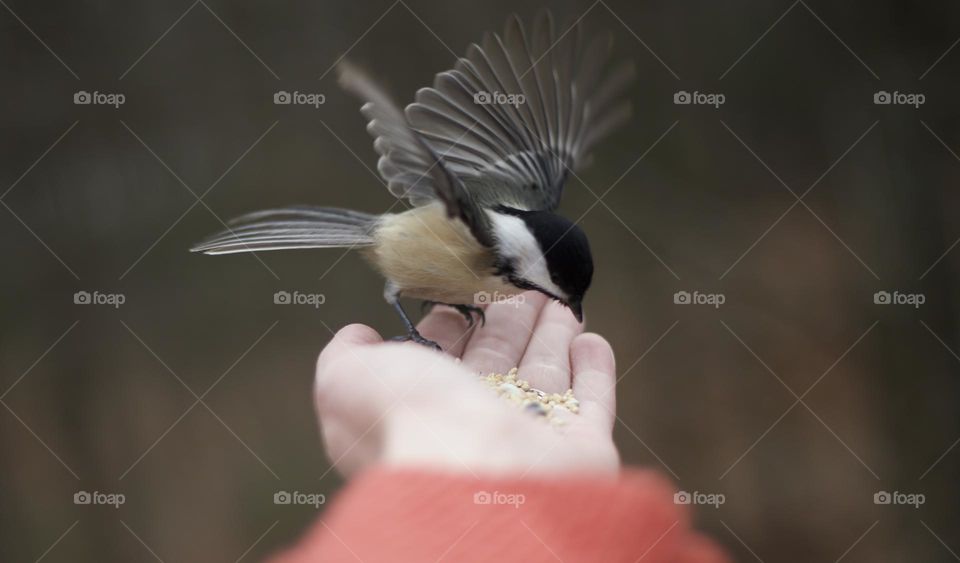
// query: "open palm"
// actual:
[[402, 404]]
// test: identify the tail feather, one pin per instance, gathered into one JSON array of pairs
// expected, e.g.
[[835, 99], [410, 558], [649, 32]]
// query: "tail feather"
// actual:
[[293, 227]]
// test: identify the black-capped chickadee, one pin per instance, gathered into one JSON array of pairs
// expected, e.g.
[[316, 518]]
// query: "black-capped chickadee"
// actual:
[[482, 157]]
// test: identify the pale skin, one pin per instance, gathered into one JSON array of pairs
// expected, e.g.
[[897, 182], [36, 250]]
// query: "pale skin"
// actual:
[[403, 405]]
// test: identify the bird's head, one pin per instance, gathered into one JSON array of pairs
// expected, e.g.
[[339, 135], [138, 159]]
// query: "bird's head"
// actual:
[[542, 251]]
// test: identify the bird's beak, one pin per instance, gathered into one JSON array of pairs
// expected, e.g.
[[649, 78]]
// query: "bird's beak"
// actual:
[[576, 307]]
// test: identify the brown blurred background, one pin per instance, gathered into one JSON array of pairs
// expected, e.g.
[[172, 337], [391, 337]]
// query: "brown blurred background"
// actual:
[[91, 392]]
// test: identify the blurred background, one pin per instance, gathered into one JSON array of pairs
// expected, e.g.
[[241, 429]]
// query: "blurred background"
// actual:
[[794, 202]]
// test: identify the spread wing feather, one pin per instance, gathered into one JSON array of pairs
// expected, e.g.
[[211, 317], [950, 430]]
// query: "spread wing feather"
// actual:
[[505, 126], [521, 110]]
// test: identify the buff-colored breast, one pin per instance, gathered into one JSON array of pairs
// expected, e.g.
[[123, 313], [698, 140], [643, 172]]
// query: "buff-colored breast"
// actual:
[[432, 257]]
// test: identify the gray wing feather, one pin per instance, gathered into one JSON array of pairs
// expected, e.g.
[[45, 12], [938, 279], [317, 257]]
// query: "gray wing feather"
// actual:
[[392, 135], [412, 167], [520, 155]]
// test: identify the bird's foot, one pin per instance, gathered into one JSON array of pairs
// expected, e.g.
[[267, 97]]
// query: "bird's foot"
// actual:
[[468, 311], [415, 336]]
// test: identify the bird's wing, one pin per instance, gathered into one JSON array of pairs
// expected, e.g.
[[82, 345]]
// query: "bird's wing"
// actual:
[[402, 163], [410, 166], [521, 110], [504, 127]]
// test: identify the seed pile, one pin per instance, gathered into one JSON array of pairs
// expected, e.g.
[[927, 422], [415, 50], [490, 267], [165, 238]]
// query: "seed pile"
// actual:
[[520, 393]]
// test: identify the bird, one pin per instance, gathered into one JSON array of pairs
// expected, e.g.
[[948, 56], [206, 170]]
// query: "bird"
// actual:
[[480, 159]]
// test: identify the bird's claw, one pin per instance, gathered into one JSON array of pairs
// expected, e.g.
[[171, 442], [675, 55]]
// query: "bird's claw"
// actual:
[[419, 339], [468, 311]]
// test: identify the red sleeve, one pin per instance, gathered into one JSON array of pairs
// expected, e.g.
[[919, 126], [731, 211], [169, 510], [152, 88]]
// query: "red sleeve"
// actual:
[[413, 515]]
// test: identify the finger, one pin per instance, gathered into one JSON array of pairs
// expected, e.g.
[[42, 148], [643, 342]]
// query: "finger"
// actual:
[[345, 393], [351, 335], [342, 342], [546, 362], [498, 345], [447, 327], [594, 378]]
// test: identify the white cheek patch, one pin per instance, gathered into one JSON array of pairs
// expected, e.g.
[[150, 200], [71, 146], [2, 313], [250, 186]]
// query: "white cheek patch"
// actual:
[[518, 244]]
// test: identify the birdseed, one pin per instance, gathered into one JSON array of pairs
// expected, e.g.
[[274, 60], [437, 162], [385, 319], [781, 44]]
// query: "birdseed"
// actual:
[[519, 392]]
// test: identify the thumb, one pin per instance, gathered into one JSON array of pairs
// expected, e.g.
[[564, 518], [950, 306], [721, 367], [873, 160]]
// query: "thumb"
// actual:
[[351, 335]]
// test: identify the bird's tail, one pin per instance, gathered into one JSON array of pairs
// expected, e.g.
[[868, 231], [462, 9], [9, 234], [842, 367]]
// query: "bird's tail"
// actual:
[[292, 227]]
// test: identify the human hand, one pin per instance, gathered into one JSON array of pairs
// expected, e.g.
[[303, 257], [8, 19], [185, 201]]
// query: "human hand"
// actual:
[[404, 405]]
